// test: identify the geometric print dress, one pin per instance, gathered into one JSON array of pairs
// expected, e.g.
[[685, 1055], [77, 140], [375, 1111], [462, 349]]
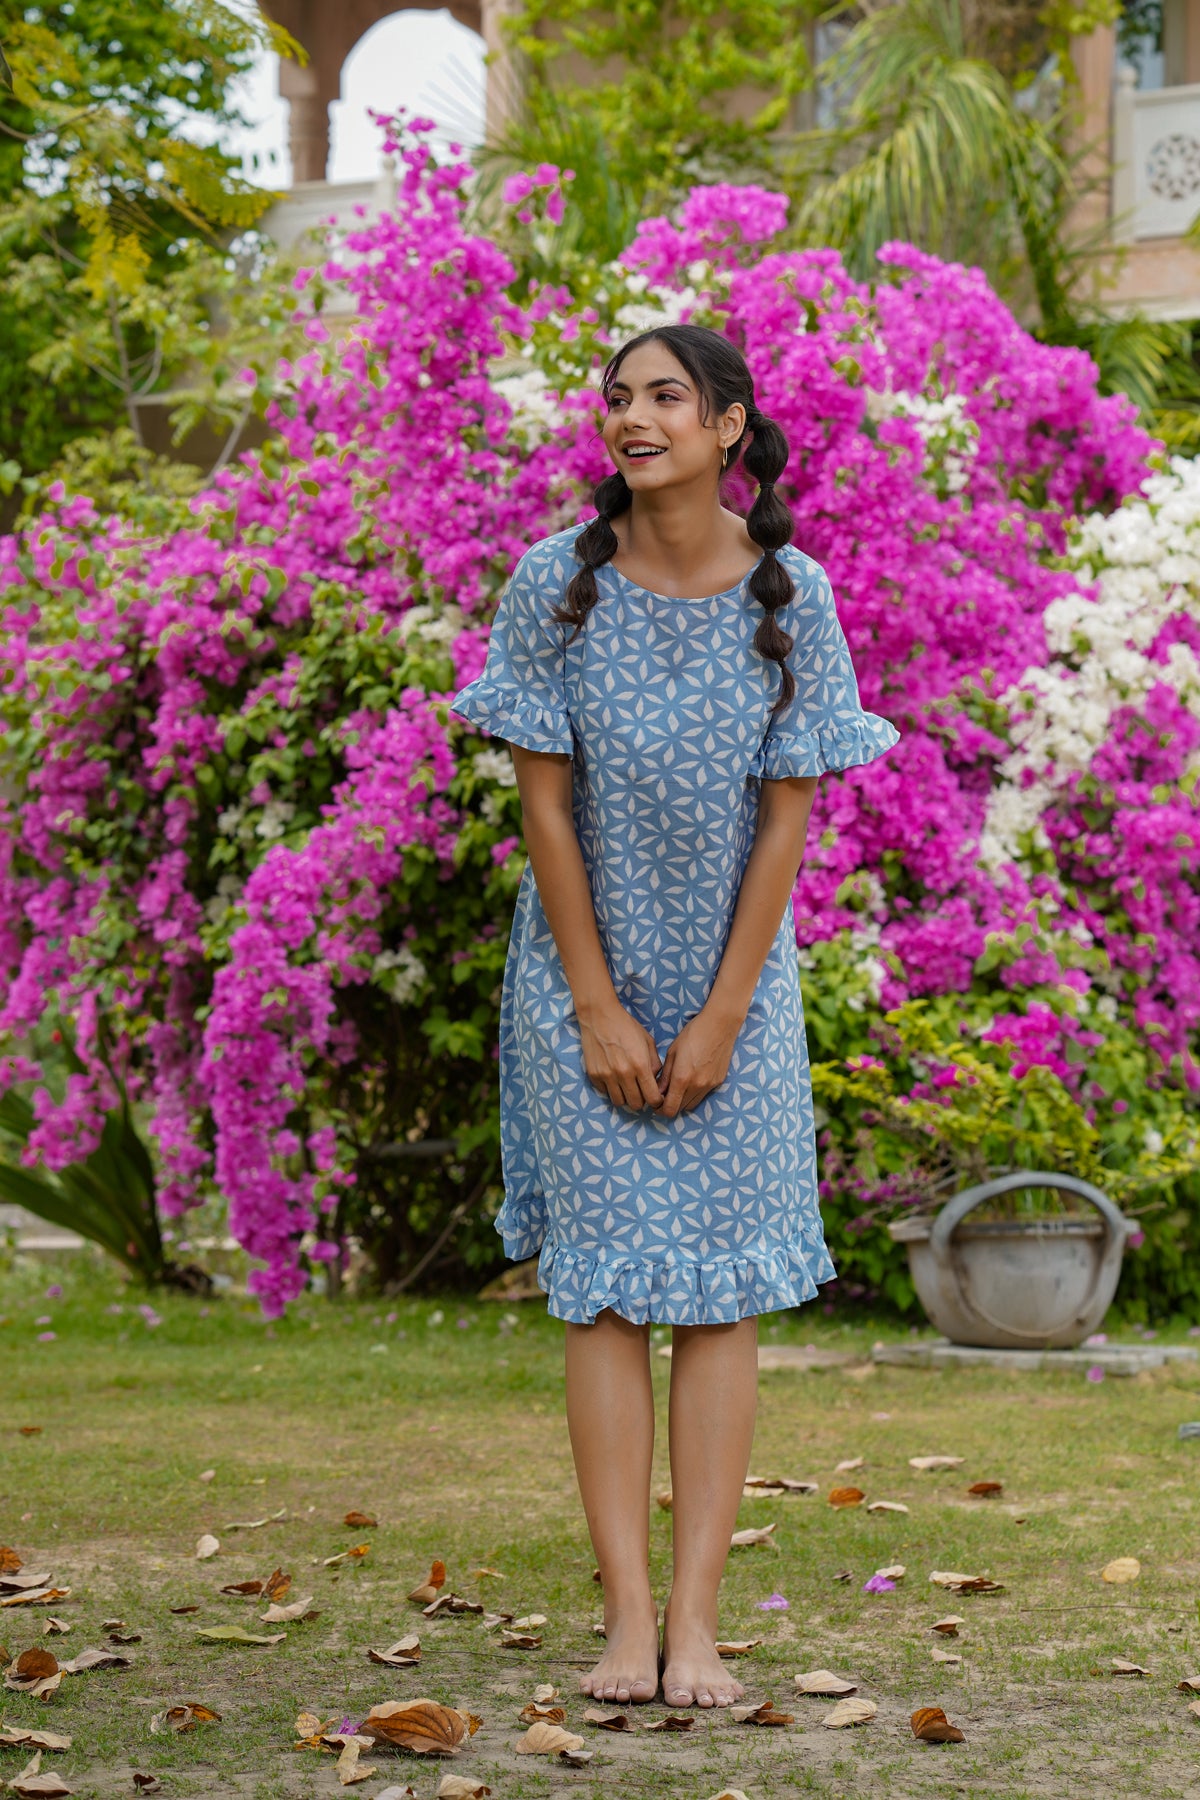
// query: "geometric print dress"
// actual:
[[665, 708]]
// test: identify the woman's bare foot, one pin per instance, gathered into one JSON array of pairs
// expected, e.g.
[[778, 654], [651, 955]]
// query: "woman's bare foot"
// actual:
[[693, 1673], [628, 1670]]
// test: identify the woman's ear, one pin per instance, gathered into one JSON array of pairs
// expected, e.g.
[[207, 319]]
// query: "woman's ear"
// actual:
[[733, 423]]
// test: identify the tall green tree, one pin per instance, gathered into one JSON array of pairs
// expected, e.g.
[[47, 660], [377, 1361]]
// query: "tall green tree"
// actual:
[[115, 223]]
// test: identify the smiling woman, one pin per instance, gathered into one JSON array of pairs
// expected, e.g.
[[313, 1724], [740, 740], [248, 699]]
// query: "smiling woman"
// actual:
[[657, 1123]]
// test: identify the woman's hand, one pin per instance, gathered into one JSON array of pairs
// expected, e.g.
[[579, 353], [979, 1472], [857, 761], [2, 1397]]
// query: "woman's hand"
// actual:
[[697, 1061], [620, 1057]]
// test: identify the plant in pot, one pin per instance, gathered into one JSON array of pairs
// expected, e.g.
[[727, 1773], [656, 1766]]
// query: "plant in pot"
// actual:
[[1012, 1184]]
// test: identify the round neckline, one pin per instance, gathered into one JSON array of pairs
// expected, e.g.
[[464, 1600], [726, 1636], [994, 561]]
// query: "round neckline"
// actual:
[[679, 599]]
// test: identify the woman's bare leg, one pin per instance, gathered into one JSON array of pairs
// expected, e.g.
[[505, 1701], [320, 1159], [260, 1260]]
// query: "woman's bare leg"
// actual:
[[610, 1418], [714, 1394]]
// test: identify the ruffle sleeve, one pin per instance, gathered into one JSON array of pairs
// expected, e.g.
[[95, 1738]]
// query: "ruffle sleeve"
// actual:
[[824, 727], [521, 695]]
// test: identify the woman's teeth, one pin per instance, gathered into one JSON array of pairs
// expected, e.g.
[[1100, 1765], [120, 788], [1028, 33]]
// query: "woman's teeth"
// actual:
[[640, 454]]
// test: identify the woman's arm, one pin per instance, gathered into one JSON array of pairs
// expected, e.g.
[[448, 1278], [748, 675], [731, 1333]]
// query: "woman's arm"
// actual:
[[619, 1054], [767, 882]]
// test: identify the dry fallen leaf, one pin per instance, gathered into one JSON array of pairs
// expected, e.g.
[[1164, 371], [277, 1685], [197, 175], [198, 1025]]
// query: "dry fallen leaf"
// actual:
[[966, 1584], [1121, 1667], [822, 1681], [276, 1586], [359, 1521], [529, 1622], [784, 1482], [754, 1534], [96, 1659], [10, 1562], [1194, 1707], [460, 1787], [407, 1792], [606, 1721], [453, 1603], [1121, 1569], [37, 1786], [730, 1794], [421, 1725], [929, 1463], [893, 1572], [762, 1714], [491, 1620], [892, 1506], [850, 1712], [342, 1555], [34, 1672], [401, 1655], [544, 1691], [308, 1727], [575, 1759], [985, 1490], [848, 1467], [207, 1475], [672, 1722], [146, 1784], [234, 1634], [184, 1718], [846, 1496], [944, 1656], [207, 1546], [347, 1767], [664, 1499], [738, 1647], [930, 1724], [243, 1590], [183, 1609], [1189, 1685], [520, 1640], [949, 1625], [53, 1627], [546, 1740], [257, 1524], [428, 1589], [18, 1737], [533, 1710], [38, 1596]]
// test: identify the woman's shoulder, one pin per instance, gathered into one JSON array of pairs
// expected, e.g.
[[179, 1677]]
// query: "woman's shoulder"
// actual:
[[551, 561], [807, 574]]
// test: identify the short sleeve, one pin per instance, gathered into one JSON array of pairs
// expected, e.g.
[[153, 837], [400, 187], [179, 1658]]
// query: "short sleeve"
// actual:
[[521, 695], [823, 727]]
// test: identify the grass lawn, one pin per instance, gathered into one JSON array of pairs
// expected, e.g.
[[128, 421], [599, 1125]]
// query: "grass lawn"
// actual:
[[446, 1422]]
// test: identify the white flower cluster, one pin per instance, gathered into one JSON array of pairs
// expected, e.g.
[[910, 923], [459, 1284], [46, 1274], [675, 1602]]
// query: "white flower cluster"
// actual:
[[1145, 558], [400, 973], [535, 409], [497, 766], [432, 625], [271, 823], [951, 439], [651, 306], [229, 889]]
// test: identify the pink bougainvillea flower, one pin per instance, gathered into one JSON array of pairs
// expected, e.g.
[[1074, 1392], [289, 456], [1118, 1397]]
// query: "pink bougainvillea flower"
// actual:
[[516, 188], [1095, 1373], [878, 1584], [46, 1337], [772, 1603]]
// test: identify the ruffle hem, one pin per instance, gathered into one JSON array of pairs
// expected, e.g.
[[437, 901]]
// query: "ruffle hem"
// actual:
[[787, 753], [508, 714], [579, 1287]]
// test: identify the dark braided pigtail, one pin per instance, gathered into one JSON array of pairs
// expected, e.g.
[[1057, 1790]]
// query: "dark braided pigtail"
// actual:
[[595, 545], [770, 523]]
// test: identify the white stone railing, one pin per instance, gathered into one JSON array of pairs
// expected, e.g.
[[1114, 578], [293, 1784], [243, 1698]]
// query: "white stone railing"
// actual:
[[1156, 156]]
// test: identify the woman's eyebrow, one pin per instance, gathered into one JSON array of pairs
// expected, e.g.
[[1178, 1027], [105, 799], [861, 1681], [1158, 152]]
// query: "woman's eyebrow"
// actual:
[[662, 381]]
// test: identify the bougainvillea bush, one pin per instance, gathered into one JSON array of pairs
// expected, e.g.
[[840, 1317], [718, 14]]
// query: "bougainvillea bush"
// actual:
[[242, 838]]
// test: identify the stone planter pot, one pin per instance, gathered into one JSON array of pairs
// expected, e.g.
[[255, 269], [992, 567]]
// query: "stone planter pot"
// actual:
[[1016, 1284]]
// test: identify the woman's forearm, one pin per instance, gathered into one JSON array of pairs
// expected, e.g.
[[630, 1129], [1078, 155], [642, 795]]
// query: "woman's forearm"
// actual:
[[566, 896], [767, 883]]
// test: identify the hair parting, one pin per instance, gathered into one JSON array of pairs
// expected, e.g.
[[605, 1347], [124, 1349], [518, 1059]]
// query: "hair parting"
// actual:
[[722, 378]]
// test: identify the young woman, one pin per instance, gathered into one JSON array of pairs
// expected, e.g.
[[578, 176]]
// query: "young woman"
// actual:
[[672, 679]]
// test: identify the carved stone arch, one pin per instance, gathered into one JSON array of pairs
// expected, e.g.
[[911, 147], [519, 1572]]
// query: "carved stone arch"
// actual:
[[329, 30]]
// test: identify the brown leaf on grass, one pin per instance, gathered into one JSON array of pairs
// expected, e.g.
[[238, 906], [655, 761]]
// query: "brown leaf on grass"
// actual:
[[257, 1524], [19, 1737], [544, 1691], [966, 1584], [428, 1589], [10, 1562], [576, 1759], [529, 1622], [1194, 1707], [891, 1506], [403, 1654], [234, 1634], [850, 1712], [479, 1574], [146, 1784], [930, 1724], [848, 1467], [762, 1490], [183, 1609], [1121, 1667], [491, 1620], [453, 1603], [730, 1794], [285, 1615], [30, 1783], [1121, 1570], [185, 1717], [35, 1597], [359, 1521], [607, 1721], [520, 1640], [207, 1475], [672, 1722], [32, 1578], [207, 1546], [596, 1575], [893, 1572], [738, 1646], [407, 1792], [1189, 1685], [599, 1630], [34, 1672], [546, 1740], [944, 1656], [846, 1496], [762, 1714], [460, 1787], [948, 1626], [124, 1637], [29, 1430], [310, 1729], [424, 1726], [928, 1464], [985, 1490], [347, 1768], [276, 1586], [343, 1555], [825, 1683], [754, 1534], [96, 1659], [533, 1710], [664, 1498]]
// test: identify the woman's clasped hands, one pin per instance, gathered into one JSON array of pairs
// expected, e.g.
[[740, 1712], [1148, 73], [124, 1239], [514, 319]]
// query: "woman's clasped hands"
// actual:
[[621, 1059]]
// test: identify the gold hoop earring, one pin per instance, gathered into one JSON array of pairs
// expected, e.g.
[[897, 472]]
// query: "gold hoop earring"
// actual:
[[725, 457]]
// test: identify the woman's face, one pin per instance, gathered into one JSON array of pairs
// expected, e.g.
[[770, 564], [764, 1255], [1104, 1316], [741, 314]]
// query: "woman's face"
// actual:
[[654, 407]]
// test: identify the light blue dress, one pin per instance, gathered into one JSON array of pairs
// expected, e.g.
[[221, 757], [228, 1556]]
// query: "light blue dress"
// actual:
[[665, 707]]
